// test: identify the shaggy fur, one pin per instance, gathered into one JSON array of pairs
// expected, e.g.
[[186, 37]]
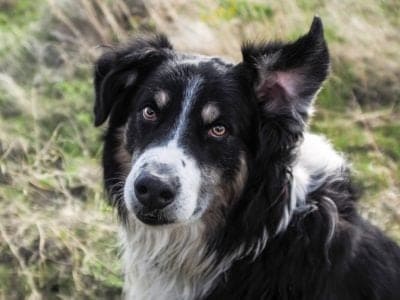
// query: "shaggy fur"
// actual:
[[255, 206]]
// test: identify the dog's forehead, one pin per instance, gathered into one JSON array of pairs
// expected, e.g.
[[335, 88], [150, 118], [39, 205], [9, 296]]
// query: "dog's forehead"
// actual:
[[196, 85], [205, 78], [218, 63]]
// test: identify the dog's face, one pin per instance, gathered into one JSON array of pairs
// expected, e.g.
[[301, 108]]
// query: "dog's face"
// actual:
[[185, 130]]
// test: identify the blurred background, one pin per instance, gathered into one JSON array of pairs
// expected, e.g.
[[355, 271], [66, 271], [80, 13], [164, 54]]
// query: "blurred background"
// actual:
[[58, 238]]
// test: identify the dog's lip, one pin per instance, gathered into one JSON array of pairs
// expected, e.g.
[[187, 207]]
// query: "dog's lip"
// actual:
[[153, 217]]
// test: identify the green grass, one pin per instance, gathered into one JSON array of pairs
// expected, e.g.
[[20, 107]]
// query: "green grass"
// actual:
[[58, 236], [244, 10], [229, 10]]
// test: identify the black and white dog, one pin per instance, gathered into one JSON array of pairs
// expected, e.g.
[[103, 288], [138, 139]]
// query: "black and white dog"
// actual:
[[221, 191]]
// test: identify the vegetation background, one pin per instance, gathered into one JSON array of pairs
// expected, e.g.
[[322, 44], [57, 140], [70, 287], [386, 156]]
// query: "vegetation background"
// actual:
[[58, 238]]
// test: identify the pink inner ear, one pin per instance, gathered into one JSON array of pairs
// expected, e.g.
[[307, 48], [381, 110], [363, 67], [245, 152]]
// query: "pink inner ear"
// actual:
[[278, 84], [289, 81]]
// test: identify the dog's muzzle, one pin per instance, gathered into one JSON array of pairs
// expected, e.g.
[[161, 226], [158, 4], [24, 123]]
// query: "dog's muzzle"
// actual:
[[163, 186], [155, 188]]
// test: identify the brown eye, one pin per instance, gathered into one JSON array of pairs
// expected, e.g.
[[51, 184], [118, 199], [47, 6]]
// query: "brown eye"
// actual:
[[149, 114], [217, 131]]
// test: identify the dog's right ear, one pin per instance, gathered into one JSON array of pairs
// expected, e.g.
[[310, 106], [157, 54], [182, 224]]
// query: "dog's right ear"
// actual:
[[120, 70]]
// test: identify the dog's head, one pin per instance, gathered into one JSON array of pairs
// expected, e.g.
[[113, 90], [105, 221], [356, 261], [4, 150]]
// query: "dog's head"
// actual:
[[187, 132]]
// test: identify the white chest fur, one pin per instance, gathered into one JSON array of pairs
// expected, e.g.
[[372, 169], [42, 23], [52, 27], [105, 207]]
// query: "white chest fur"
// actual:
[[166, 263]]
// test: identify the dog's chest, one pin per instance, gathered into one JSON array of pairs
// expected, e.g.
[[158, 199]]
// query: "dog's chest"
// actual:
[[165, 265], [156, 285], [157, 280]]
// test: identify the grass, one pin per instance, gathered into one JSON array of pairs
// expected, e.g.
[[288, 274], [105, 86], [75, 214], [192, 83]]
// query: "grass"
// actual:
[[58, 237], [228, 10]]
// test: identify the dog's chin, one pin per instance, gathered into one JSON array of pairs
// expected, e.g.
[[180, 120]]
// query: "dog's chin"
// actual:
[[159, 218]]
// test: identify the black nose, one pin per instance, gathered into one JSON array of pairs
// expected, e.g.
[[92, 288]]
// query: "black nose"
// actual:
[[154, 192]]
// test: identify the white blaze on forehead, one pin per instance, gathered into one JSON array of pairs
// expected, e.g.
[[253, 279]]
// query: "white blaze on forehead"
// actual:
[[210, 113], [191, 89], [161, 98]]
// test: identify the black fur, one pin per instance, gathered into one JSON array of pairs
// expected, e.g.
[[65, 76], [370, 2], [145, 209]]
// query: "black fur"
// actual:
[[267, 123]]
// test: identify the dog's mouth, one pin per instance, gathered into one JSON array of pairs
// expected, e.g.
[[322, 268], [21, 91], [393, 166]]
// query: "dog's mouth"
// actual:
[[153, 217]]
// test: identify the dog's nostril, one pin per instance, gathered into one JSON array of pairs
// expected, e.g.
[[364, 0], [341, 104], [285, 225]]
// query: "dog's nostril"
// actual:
[[141, 189], [167, 195]]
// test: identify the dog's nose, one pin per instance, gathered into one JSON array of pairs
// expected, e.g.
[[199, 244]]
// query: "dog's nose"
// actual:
[[154, 192]]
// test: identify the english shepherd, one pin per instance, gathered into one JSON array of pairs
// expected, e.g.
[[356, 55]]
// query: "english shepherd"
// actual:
[[221, 190]]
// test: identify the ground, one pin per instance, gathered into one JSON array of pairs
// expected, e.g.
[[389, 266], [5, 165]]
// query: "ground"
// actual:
[[58, 237]]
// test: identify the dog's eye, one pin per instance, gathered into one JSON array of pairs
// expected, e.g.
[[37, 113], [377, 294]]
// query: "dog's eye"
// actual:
[[149, 114], [217, 131]]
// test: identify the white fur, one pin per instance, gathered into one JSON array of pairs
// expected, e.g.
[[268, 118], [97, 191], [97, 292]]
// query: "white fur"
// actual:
[[188, 100], [165, 262], [316, 156]]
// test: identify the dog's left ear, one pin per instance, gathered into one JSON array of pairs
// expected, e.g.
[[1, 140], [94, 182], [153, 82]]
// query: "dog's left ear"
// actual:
[[287, 76], [121, 70]]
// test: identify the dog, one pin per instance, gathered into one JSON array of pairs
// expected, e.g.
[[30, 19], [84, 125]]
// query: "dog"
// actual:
[[221, 190]]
